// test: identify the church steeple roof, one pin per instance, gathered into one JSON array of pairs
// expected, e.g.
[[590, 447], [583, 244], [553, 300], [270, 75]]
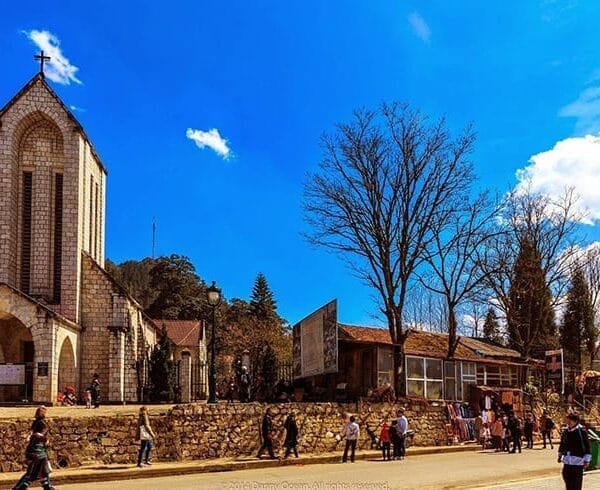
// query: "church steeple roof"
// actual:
[[40, 78]]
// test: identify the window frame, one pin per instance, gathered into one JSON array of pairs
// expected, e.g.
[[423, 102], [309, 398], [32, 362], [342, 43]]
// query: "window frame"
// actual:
[[424, 380]]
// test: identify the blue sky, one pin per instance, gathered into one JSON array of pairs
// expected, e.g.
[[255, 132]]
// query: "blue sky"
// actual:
[[270, 77]]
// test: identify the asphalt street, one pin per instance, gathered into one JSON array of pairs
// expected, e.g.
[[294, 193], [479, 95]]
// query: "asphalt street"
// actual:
[[446, 471]]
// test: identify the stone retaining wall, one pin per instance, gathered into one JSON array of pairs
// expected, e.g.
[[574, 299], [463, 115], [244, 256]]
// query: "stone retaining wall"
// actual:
[[198, 431]]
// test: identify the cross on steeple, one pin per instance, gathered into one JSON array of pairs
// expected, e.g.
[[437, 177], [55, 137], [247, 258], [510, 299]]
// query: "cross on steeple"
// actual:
[[41, 58]]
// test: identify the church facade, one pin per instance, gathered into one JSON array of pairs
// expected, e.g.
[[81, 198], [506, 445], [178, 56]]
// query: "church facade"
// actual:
[[62, 317]]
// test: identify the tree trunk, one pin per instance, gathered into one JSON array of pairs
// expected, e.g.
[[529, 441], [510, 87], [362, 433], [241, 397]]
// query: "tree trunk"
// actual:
[[399, 378], [452, 337]]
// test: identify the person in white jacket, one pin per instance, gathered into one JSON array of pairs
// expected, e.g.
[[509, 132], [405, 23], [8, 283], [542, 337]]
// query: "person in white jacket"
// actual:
[[350, 433]]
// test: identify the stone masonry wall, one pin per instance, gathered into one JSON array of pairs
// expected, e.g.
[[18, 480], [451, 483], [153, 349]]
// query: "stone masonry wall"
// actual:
[[198, 431]]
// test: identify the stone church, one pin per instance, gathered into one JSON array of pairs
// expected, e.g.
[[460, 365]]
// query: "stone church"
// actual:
[[62, 317]]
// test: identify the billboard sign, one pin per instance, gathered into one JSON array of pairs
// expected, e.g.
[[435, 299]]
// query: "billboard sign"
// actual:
[[316, 342]]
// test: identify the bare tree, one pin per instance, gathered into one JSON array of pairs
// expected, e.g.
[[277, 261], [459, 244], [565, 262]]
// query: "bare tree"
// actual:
[[452, 258], [477, 311], [385, 181], [545, 224], [424, 310]]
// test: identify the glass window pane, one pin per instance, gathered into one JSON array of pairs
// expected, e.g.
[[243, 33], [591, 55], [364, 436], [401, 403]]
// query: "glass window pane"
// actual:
[[434, 368], [415, 388], [385, 359], [468, 368], [450, 389], [466, 390], [449, 370], [434, 390], [414, 367]]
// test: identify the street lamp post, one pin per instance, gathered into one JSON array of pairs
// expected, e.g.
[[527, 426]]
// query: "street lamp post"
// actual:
[[214, 298]]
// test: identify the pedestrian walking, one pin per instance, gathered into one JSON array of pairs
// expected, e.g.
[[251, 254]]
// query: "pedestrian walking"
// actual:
[[146, 436], [95, 389], [291, 435], [574, 452], [36, 454], [528, 430], [546, 426], [402, 430], [350, 433], [385, 440], [266, 431], [514, 428]]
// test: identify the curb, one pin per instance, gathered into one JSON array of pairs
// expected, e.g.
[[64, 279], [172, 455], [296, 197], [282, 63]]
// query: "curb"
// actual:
[[90, 475]]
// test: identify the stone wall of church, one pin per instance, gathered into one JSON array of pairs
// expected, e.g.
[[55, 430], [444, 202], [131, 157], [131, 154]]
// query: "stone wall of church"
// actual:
[[116, 335], [38, 134], [96, 315], [92, 188]]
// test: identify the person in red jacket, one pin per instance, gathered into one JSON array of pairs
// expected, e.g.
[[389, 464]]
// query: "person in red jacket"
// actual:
[[384, 438]]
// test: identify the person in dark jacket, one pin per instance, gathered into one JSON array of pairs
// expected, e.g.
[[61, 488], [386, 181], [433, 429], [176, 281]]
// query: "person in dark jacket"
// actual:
[[546, 428], [291, 435], [528, 430], [396, 439], [266, 431], [514, 427], [95, 389], [36, 454], [574, 452]]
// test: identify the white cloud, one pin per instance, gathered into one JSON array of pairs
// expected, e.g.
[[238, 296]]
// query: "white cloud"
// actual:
[[211, 139], [586, 109], [74, 108], [420, 27], [58, 69], [572, 163]]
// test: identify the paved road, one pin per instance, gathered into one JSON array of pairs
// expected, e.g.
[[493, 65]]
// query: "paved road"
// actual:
[[590, 481], [446, 471]]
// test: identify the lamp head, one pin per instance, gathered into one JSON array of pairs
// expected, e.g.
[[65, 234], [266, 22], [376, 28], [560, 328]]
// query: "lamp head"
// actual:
[[214, 295]]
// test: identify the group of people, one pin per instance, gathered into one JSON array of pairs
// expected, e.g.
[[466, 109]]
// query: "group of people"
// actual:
[[267, 431], [507, 428], [393, 438], [91, 396]]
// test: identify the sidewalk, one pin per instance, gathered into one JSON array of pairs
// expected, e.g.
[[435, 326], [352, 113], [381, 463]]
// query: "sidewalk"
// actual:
[[95, 473]]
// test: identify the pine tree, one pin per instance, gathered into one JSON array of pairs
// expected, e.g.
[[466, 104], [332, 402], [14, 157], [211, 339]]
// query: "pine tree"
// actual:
[[162, 372], [269, 371], [491, 328], [577, 331], [531, 327], [262, 301]]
